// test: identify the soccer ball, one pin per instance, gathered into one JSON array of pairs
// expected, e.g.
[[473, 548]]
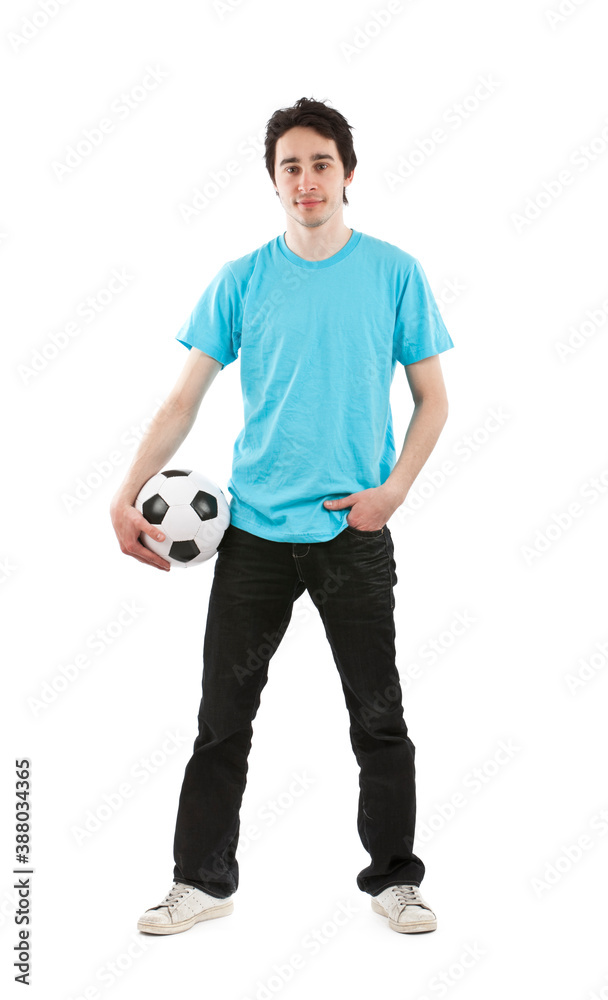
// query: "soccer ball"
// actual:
[[190, 510]]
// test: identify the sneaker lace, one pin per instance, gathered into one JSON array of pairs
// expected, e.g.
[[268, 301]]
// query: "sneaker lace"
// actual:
[[172, 897], [408, 895]]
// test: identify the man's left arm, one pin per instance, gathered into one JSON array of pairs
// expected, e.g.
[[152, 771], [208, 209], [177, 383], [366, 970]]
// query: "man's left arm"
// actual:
[[372, 508]]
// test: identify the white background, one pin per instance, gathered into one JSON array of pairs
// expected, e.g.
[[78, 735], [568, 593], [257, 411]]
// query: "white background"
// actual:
[[515, 913]]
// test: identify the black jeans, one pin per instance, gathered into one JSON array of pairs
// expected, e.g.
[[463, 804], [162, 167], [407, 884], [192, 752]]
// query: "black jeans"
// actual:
[[350, 580]]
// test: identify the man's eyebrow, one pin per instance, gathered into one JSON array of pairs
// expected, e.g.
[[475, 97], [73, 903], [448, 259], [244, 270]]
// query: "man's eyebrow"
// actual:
[[315, 156]]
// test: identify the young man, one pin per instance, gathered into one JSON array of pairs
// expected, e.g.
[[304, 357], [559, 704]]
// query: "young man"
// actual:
[[320, 315]]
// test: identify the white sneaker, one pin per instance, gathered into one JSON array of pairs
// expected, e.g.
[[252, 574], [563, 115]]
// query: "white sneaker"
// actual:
[[181, 908], [405, 908]]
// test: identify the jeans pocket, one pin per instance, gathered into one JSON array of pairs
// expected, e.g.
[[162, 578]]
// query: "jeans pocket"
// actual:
[[365, 534]]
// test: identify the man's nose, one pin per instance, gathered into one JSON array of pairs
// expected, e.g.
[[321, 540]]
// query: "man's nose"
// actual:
[[306, 181]]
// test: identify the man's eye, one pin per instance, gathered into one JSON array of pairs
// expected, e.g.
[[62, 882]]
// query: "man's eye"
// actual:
[[289, 169]]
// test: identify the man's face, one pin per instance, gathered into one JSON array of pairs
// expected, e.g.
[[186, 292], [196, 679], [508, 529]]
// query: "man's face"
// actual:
[[309, 176]]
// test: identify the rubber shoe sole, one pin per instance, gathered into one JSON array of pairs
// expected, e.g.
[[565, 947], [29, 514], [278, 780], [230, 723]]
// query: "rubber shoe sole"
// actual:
[[411, 927], [185, 925]]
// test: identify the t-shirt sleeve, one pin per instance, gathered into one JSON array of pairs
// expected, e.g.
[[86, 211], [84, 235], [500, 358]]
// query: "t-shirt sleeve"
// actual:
[[214, 325], [419, 329]]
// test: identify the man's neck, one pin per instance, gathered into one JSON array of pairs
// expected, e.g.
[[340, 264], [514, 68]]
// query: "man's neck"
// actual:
[[317, 243]]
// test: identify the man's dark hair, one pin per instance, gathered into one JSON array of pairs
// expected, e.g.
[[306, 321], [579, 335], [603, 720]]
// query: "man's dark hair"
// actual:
[[316, 115]]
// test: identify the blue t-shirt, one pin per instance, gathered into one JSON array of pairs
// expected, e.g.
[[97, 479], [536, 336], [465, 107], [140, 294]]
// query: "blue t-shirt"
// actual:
[[319, 342]]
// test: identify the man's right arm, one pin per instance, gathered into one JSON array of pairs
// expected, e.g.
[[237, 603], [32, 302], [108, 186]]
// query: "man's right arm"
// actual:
[[168, 429]]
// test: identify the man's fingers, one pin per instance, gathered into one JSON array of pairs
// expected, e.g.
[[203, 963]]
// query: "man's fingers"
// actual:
[[150, 529], [129, 525], [147, 556]]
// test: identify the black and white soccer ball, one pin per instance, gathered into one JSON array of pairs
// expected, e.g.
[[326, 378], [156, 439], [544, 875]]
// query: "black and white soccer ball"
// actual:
[[190, 510]]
